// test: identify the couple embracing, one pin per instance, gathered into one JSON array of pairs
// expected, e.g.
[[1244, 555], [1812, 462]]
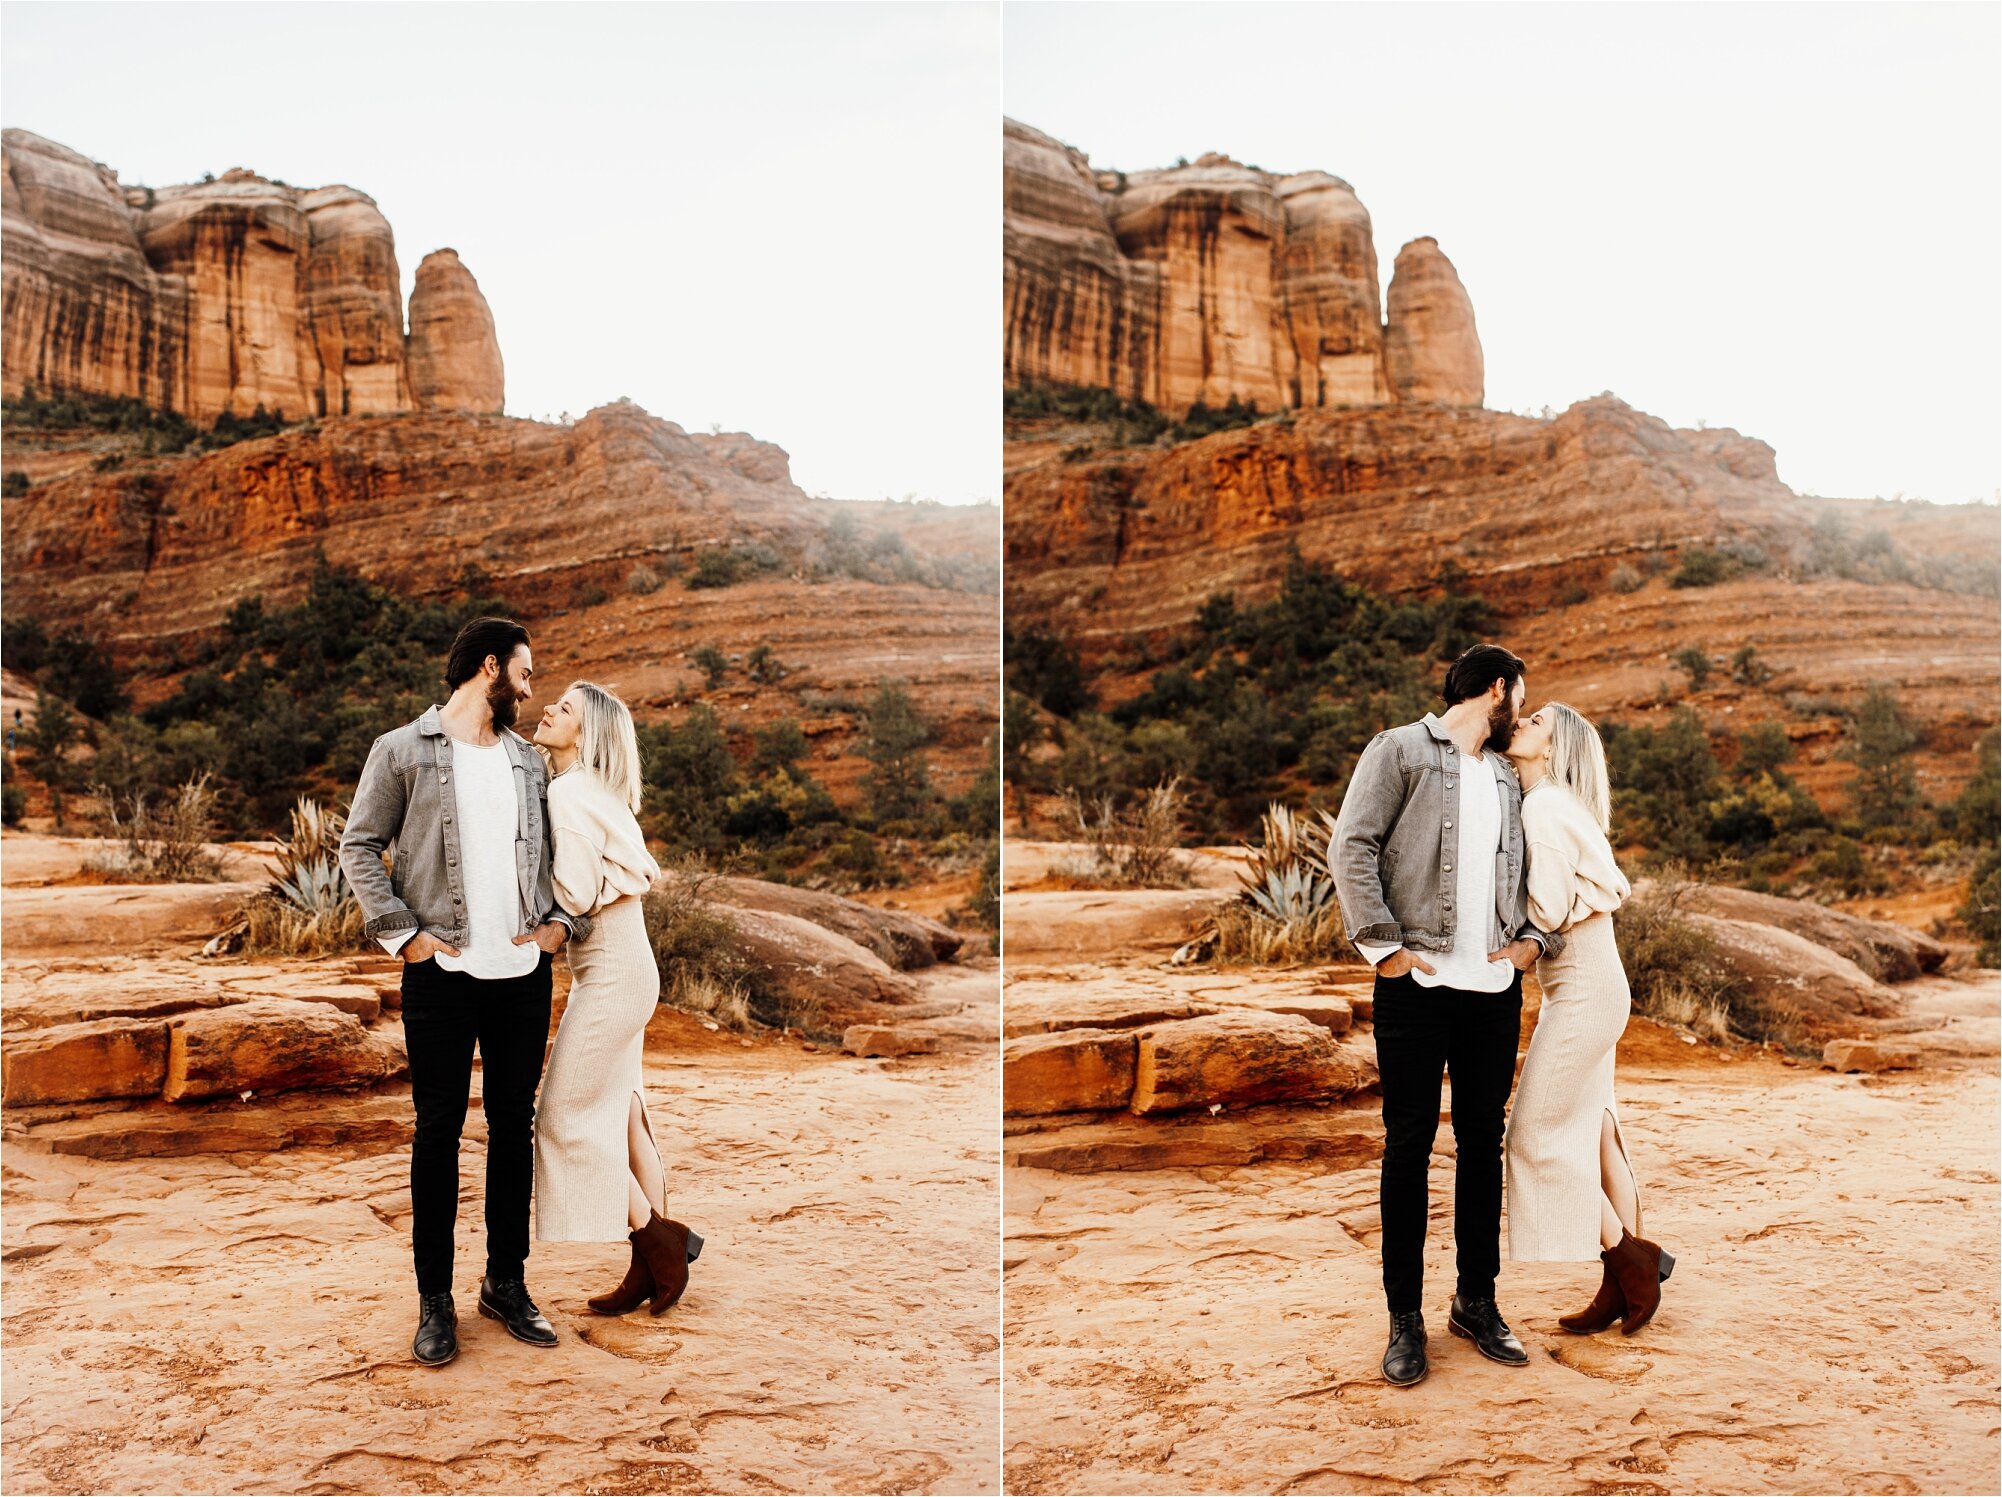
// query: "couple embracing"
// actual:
[[501, 854], [1471, 847]]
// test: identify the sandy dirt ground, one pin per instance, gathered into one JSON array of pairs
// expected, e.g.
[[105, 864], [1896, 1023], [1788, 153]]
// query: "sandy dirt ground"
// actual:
[[242, 1323], [1831, 1325]]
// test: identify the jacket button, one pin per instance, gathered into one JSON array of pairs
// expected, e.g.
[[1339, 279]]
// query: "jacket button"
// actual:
[[1446, 867], [1447, 824]]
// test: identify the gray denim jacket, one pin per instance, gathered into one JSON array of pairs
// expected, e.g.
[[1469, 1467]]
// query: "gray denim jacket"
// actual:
[[1392, 845], [405, 800]]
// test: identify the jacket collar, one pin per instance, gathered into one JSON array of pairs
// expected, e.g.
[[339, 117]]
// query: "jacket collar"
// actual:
[[1437, 729], [518, 747]]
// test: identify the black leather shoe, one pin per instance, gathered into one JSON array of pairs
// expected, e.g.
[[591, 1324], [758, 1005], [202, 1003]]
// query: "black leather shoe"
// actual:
[[437, 1339], [1480, 1321], [1404, 1359], [507, 1301]]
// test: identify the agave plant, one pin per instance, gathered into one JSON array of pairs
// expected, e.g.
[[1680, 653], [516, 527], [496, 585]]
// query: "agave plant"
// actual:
[[309, 876], [1286, 879]]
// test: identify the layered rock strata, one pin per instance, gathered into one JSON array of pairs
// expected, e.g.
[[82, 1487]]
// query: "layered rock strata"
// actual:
[[225, 295], [1213, 280]]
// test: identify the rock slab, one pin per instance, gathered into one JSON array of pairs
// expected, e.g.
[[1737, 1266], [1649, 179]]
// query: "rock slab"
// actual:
[[272, 1045], [887, 1040], [1068, 1070], [1866, 1055], [84, 1062], [1240, 1057]]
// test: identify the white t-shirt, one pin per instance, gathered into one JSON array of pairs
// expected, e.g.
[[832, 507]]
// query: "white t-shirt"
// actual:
[[483, 787], [1479, 824]]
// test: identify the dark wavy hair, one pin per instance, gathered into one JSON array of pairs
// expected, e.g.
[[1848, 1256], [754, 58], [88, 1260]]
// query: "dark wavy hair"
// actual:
[[497, 637], [1478, 668]]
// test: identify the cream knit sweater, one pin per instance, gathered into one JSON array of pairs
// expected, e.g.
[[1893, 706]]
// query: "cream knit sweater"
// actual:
[[1571, 870], [600, 853]]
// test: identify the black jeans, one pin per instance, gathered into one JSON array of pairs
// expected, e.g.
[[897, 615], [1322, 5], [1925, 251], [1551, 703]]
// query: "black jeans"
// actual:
[[445, 1014], [1421, 1034]]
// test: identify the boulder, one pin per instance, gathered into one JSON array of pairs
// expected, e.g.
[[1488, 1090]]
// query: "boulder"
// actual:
[[1243, 1056], [901, 939], [1884, 951], [1789, 973], [819, 981], [887, 1040], [1866, 1055], [1070, 1070], [84, 1062], [274, 1045]]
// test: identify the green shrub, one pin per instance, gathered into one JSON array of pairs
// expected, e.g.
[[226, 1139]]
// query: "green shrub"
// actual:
[[13, 803], [1695, 663], [1701, 567], [1624, 579], [713, 663], [1981, 911], [642, 580]]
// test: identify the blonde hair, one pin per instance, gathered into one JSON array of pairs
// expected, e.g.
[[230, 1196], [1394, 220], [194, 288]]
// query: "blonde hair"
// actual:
[[607, 745], [1578, 762]]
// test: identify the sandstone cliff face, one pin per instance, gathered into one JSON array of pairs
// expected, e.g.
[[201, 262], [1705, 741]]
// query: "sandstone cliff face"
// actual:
[[221, 296], [1212, 280], [455, 358]]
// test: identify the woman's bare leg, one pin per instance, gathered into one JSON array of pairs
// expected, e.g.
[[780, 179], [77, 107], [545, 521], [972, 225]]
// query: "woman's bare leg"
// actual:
[[1620, 1208], [643, 1159], [638, 1209]]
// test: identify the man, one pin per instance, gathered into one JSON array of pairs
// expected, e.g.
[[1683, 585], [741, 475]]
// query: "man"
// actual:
[[1431, 871], [463, 800]]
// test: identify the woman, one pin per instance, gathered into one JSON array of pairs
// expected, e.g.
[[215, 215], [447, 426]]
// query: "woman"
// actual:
[[597, 1174], [1571, 1191]]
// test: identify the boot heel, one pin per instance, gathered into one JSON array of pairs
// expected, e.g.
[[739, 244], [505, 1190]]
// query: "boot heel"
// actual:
[[695, 1248], [1667, 1266]]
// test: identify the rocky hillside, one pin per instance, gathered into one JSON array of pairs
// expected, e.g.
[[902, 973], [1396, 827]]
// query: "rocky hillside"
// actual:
[[1213, 280], [224, 295], [1575, 527]]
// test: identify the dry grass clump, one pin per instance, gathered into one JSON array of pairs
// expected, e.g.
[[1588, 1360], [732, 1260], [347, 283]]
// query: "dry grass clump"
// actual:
[[1246, 937], [164, 842], [308, 910], [1286, 910], [1134, 848], [703, 970]]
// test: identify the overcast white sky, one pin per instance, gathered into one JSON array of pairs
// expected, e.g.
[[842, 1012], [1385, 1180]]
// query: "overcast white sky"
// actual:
[[779, 218], [1784, 218]]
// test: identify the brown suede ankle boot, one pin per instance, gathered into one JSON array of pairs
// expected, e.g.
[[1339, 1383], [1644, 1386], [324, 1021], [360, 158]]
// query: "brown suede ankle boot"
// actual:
[[633, 1291], [668, 1248], [1640, 1267], [1607, 1306]]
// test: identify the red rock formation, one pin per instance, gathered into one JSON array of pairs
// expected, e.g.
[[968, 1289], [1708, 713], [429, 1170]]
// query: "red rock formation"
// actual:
[[83, 310], [225, 295], [455, 359], [1431, 351], [1202, 282]]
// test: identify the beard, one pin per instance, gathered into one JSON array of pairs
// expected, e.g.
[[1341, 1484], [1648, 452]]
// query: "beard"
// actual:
[[1501, 726], [503, 702]]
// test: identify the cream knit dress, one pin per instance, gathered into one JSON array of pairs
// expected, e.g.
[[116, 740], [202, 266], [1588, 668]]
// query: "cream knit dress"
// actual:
[[601, 868], [1566, 1088]]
